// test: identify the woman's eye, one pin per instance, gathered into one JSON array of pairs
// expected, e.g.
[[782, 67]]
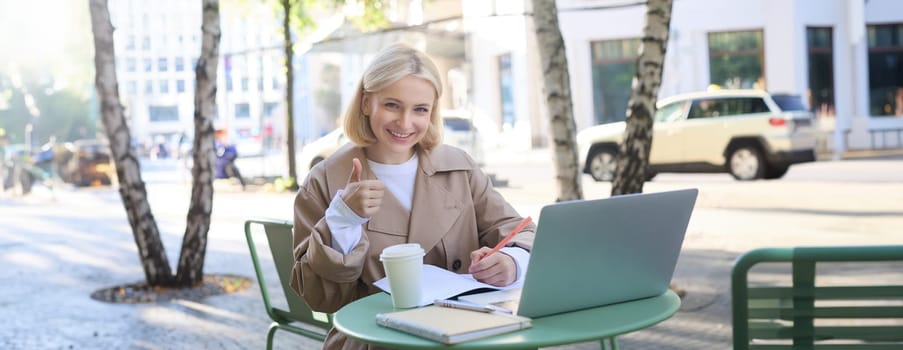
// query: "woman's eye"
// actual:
[[422, 110], [391, 105]]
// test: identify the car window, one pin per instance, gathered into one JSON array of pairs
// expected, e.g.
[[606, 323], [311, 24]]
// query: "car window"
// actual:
[[457, 124], [744, 105], [789, 102], [669, 112], [717, 107], [705, 108]]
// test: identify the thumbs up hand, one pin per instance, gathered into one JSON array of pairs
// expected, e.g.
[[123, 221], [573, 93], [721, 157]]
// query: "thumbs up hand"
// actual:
[[363, 197]]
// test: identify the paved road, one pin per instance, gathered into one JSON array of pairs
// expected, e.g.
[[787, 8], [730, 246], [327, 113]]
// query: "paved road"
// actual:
[[57, 249]]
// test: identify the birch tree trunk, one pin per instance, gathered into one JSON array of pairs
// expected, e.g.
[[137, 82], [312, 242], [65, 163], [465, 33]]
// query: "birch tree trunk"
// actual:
[[131, 186], [194, 243], [289, 91], [633, 155], [557, 89]]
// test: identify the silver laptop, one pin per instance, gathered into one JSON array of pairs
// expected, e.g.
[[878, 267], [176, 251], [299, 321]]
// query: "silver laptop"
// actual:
[[597, 252]]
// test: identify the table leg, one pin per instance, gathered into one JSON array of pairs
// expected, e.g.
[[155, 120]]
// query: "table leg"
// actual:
[[610, 343]]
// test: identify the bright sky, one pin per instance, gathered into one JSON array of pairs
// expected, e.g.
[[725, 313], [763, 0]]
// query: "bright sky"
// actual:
[[47, 35]]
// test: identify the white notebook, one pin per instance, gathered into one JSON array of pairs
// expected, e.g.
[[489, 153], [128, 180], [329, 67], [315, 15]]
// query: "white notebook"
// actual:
[[439, 283], [451, 326]]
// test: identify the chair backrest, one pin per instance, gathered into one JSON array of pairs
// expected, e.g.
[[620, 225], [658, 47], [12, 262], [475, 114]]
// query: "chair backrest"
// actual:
[[279, 238], [803, 315]]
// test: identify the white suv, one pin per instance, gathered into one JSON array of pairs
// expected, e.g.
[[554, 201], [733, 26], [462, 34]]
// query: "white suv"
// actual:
[[750, 134]]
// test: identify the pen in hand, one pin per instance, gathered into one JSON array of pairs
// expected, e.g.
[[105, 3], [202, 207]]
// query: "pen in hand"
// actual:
[[510, 236], [500, 272]]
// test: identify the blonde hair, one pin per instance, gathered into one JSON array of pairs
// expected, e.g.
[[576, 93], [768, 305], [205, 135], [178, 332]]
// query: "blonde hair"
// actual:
[[389, 66]]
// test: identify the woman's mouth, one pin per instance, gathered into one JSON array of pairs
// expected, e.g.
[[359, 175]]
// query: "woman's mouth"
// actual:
[[399, 135]]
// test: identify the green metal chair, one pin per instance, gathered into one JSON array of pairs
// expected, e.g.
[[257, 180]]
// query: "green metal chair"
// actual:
[[806, 316], [299, 318]]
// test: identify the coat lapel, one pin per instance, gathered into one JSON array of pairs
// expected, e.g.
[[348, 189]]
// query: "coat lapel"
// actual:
[[434, 209], [392, 217]]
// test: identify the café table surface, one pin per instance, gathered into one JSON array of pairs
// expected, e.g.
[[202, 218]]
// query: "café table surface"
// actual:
[[358, 321]]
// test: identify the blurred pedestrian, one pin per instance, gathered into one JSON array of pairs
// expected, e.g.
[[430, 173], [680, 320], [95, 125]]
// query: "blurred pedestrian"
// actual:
[[225, 159]]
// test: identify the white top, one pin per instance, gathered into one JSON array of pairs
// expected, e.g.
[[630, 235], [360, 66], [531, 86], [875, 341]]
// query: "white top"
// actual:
[[398, 178]]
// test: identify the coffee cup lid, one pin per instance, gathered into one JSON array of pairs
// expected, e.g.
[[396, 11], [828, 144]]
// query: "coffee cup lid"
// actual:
[[401, 251]]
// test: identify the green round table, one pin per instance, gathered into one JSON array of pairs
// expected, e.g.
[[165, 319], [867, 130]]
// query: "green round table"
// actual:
[[357, 320]]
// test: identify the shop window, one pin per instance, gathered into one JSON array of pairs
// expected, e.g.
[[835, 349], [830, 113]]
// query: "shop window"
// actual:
[[614, 65], [163, 113], [269, 108], [242, 111], [735, 59], [885, 48], [506, 90], [164, 86], [821, 71]]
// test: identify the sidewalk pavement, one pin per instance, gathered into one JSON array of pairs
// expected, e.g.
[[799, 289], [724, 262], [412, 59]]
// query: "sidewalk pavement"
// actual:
[[56, 253], [56, 250]]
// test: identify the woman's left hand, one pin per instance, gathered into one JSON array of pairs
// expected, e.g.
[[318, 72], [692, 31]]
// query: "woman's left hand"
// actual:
[[497, 269]]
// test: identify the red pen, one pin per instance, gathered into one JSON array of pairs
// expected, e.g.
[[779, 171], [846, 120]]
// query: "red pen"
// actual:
[[510, 236]]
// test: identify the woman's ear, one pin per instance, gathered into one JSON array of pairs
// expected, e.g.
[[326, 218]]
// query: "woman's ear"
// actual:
[[366, 106]]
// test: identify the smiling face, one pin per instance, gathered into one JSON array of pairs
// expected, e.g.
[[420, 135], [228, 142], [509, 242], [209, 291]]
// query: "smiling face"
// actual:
[[399, 116]]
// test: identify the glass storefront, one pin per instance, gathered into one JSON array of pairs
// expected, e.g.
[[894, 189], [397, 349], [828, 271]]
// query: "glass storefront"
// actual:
[[885, 50], [735, 59], [820, 46], [614, 65]]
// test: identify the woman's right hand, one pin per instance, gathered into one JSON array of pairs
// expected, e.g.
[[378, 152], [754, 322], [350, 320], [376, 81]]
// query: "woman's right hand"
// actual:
[[363, 197]]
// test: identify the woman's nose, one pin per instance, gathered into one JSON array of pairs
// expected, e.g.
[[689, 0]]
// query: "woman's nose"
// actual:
[[406, 118]]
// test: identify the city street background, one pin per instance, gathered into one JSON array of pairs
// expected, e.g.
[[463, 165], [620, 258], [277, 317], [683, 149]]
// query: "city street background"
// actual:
[[58, 247]]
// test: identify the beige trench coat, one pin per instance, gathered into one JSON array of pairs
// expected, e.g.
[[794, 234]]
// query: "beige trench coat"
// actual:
[[455, 211]]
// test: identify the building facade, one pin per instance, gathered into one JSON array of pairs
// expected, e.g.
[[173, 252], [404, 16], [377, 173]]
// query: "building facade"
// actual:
[[157, 46], [844, 57]]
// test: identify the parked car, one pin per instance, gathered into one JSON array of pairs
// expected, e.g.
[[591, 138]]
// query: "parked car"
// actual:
[[459, 132], [248, 146], [314, 152], [90, 162], [750, 134]]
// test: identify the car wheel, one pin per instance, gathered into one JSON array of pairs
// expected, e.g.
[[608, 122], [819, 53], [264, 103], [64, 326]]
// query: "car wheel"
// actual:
[[602, 164], [315, 161], [776, 172], [746, 163]]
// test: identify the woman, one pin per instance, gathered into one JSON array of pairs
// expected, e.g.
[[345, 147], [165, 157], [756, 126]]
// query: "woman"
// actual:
[[396, 183]]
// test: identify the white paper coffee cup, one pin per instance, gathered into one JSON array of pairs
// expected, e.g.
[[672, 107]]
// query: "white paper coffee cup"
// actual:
[[404, 266]]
